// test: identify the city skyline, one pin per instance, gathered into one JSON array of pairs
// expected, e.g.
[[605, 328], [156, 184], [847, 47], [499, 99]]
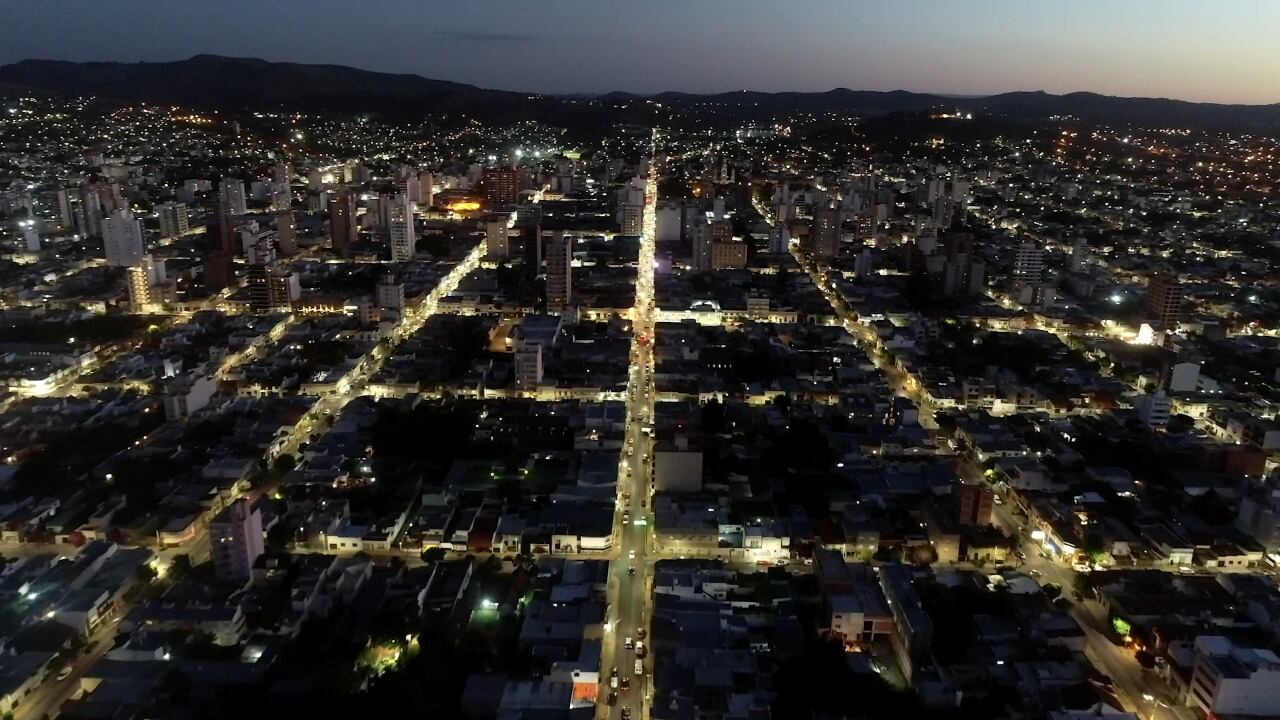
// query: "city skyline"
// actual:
[[1142, 49]]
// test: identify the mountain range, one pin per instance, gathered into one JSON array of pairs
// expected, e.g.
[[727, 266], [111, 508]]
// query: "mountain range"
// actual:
[[226, 83]]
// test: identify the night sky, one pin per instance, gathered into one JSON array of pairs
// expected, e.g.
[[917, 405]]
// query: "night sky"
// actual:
[[1219, 51]]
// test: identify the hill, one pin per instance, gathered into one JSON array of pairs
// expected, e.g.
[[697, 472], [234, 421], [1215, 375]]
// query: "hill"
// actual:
[[211, 81]]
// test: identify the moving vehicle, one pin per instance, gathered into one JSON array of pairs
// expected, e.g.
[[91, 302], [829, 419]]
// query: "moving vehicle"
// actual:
[[631, 570], [64, 673], [627, 643], [639, 666]]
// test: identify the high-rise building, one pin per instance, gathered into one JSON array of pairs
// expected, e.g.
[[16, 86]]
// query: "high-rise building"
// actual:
[[1079, 254], [174, 220], [404, 239], [1154, 409], [826, 232], [559, 271], [528, 365], [236, 541], [390, 293], [531, 236], [728, 255], [139, 287], [503, 185], [670, 221], [1028, 262], [631, 219], [779, 238], [67, 200], [962, 276], [426, 189], [1230, 680], [122, 239], [232, 197], [342, 221], [272, 289], [495, 235], [706, 235], [285, 238], [1164, 299]]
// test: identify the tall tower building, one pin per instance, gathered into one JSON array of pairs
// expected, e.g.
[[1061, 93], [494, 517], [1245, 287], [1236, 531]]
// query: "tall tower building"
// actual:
[[531, 236], [404, 239], [390, 293], [1164, 299], [342, 221], [495, 235], [174, 220], [631, 219], [559, 272], [426, 189], [231, 195], [502, 185], [1079, 253], [286, 240], [826, 232], [1028, 262], [272, 289], [236, 541], [122, 239], [138, 282]]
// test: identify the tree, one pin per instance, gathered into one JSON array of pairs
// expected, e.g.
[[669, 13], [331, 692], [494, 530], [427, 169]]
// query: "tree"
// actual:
[[1082, 584], [285, 463], [180, 566], [146, 573], [1094, 548], [433, 555]]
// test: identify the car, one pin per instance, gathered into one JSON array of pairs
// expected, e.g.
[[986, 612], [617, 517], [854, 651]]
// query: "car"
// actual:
[[640, 651], [631, 570], [639, 666], [626, 684], [626, 713], [613, 680], [631, 555], [613, 699], [626, 643], [64, 673], [642, 633]]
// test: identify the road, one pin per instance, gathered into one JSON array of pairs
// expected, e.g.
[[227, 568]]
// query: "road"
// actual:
[[629, 576], [47, 699], [1134, 691], [51, 695]]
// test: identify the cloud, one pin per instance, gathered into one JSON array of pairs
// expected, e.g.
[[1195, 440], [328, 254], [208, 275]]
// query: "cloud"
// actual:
[[481, 36]]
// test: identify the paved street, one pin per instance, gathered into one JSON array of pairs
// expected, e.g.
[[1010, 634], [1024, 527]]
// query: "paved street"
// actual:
[[628, 595]]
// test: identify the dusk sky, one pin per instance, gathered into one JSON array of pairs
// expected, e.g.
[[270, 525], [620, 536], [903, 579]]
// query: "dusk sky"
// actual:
[[1222, 51]]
